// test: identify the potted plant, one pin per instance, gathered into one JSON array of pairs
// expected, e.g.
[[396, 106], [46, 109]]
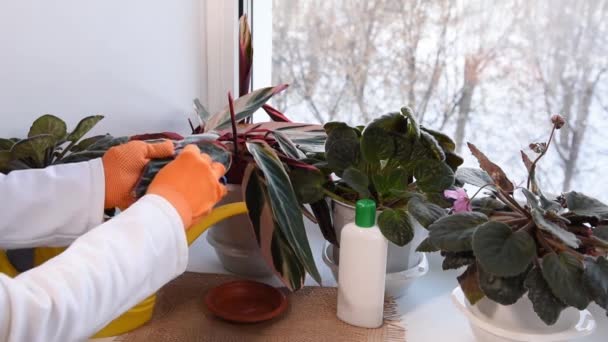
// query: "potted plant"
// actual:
[[403, 166], [553, 249]]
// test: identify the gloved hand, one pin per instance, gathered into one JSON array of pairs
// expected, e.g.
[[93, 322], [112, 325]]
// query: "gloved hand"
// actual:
[[190, 183], [123, 166]]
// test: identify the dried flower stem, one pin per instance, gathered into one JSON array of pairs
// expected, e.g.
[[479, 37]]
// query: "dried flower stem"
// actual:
[[533, 167]]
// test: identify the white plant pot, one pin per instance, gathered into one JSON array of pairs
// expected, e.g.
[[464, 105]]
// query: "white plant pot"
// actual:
[[493, 322], [399, 259], [396, 284], [235, 243]]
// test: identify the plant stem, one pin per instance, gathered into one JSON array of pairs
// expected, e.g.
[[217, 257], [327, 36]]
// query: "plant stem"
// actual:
[[511, 203], [562, 248], [233, 122], [543, 241], [336, 197], [66, 150], [479, 190], [533, 167]]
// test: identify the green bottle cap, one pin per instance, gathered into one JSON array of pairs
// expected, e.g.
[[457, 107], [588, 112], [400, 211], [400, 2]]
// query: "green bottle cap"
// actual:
[[365, 213]]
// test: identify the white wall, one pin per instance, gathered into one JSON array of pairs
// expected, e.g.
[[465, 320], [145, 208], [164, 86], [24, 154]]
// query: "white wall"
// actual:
[[138, 62]]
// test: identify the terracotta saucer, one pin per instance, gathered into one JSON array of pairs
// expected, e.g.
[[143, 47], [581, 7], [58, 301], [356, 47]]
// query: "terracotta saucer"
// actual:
[[245, 301]]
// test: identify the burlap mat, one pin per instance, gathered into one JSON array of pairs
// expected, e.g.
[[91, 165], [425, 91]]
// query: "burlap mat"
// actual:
[[181, 315]]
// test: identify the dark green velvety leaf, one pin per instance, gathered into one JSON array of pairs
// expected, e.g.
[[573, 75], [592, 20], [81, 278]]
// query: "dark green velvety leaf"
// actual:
[[583, 205], [244, 107], [413, 128], [487, 205], [108, 142], [444, 141], [426, 246], [49, 124], [454, 233], [596, 278], [433, 175], [342, 147], [564, 274], [502, 290], [285, 206], [546, 305], [475, 177], [469, 283], [567, 237], [432, 146], [5, 158], [322, 213], [425, 213], [308, 185], [396, 226], [456, 260], [601, 232], [6, 144], [385, 181], [84, 144], [453, 160], [438, 198], [287, 146], [83, 127], [357, 180], [378, 141], [81, 156], [34, 148]]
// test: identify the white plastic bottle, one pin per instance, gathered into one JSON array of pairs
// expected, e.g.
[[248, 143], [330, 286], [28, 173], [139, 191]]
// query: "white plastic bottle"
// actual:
[[362, 270]]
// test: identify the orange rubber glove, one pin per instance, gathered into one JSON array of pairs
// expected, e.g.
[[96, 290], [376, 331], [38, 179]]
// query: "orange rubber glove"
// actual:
[[191, 184], [123, 166]]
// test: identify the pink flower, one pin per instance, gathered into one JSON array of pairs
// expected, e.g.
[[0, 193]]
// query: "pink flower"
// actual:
[[462, 203]]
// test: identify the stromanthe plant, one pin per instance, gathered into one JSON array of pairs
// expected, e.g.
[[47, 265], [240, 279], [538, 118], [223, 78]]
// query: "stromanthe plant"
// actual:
[[553, 249]]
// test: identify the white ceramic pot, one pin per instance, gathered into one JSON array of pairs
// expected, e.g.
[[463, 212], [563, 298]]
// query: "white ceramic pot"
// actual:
[[399, 258], [493, 322], [397, 283], [235, 243]]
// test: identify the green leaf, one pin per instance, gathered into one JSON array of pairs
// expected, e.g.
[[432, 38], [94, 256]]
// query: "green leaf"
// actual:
[[426, 246], [596, 278], [502, 290], [453, 160], [287, 146], [433, 175], [475, 177], [583, 205], [469, 283], [201, 111], [49, 124], [244, 107], [342, 147], [385, 181], [432, 146], [6, 144], [308, 185], [286, 262], [108, 142], [83, 127], [5, 158], [502, 252], [413, 128], [456, 260], [454, 233], [83, 156], [567, 237], [33, 147], [546, 305], [564, 274], [487, 205], [357, 180], [531, 198], [378, 138], [285, 205], [84, 144], [425, 213], [396, 226], [322, 213], [444, 141], [601, 232]]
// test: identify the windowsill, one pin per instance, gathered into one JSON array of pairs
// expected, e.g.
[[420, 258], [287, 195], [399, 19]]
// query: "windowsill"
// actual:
[[428, 312]]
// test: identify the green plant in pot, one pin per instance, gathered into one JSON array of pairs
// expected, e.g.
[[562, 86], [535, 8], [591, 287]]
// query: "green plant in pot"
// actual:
[[544, 255], [403, 166]]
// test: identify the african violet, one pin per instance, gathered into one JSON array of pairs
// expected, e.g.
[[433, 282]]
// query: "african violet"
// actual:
[[552, 248], [403, 166]]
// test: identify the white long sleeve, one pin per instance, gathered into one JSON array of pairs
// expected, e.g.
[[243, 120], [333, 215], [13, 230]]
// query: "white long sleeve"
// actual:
[[101, 275], [50, 207]]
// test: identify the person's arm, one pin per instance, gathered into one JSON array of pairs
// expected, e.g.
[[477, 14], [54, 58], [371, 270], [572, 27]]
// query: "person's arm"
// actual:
[[101, 275], [51, 206]]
